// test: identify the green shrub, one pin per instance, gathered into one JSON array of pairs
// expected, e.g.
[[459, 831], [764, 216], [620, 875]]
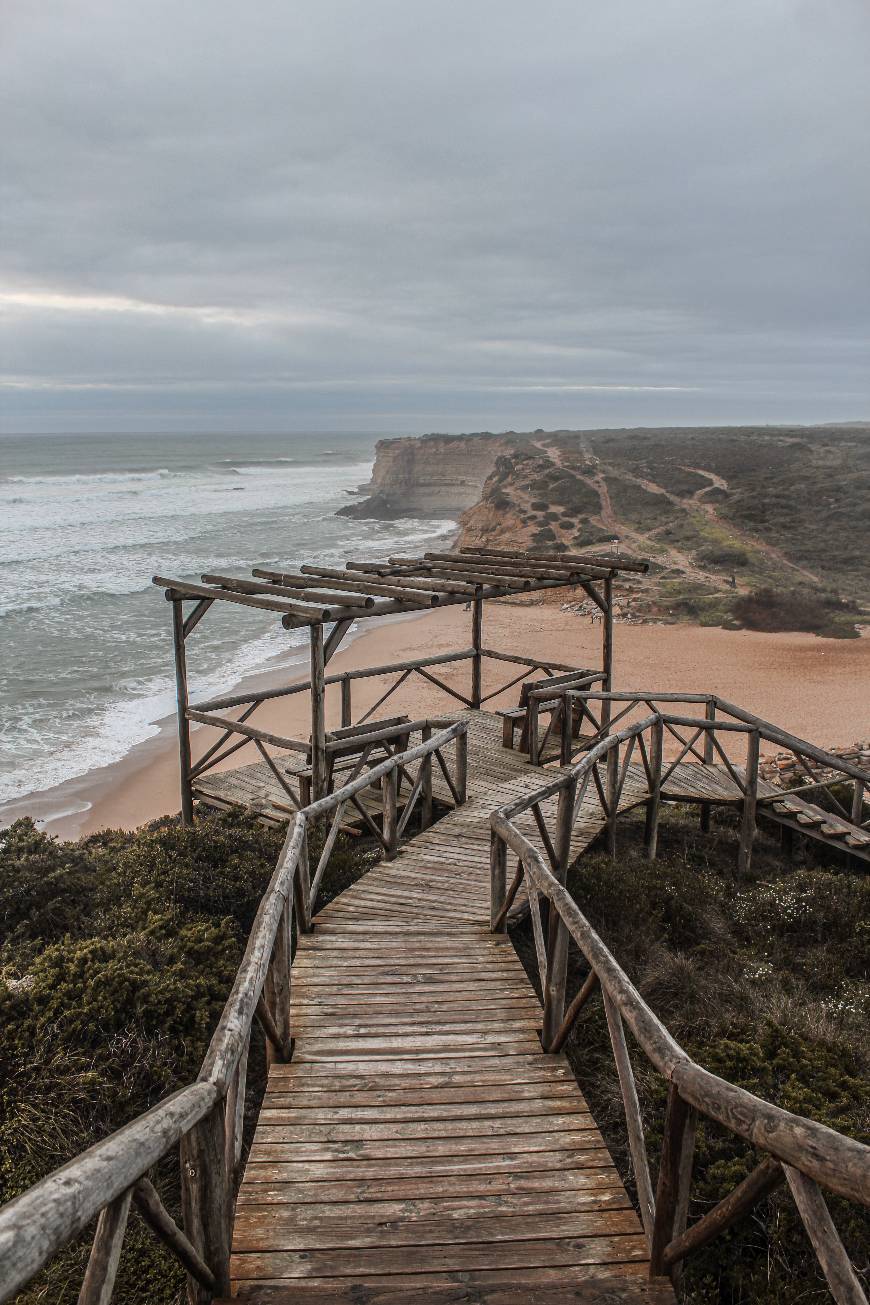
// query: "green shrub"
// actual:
[[45, 889], [771, 610], [723, 555], [119, 954]]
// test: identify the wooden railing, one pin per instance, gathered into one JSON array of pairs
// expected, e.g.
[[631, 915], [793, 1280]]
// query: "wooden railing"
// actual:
[[235, 733], [205, 1119], [805, 1154], [730, 737], [563, 721]]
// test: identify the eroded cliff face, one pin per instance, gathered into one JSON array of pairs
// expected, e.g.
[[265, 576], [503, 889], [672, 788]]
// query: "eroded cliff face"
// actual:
[[436, 476]]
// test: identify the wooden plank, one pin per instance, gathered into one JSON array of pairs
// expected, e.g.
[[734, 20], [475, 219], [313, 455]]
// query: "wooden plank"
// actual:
[[498, 1095], [312, 1172], [282, 1109], [447, 1070], [423, 1150], [362, 1263], [272, 1229], [451, 1191], [273, 1127], [589, 1284]]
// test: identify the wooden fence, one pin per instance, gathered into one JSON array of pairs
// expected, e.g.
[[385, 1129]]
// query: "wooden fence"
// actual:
[[235, 733], [726, 736], [205, 1119], [806, 1155]]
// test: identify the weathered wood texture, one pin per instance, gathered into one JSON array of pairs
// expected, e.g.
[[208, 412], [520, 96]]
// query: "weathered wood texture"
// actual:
[[808, 1152], [420, 1137]]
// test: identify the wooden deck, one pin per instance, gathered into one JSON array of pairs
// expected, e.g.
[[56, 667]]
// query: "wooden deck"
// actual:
[[412, 1147]]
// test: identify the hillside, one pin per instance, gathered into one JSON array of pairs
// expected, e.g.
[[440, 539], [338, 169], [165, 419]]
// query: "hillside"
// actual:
[[761, 526]]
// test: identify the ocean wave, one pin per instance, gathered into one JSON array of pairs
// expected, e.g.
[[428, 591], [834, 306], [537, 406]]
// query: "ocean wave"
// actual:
[[133, 718], [86, 477]]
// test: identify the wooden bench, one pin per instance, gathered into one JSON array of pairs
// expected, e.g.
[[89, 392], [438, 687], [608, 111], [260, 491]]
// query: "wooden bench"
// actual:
[[518, 718]]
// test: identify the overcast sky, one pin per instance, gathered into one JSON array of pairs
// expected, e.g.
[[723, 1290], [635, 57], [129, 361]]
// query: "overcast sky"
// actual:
[[451, 215]]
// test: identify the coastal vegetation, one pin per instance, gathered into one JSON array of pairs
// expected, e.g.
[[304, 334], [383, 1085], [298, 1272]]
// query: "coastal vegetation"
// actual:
[[765, 980], [117, 954]]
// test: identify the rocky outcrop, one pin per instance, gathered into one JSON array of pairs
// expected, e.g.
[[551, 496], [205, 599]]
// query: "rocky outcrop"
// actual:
[[436, 476]]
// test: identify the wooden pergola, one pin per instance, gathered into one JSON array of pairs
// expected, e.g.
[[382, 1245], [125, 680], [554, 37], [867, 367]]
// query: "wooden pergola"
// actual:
[[328, 601]]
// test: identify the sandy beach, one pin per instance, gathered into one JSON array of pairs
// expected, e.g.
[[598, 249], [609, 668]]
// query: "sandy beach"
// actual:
[[816, 688]]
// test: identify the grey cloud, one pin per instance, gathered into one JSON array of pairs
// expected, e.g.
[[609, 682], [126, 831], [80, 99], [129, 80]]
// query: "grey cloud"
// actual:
[[402, 215]]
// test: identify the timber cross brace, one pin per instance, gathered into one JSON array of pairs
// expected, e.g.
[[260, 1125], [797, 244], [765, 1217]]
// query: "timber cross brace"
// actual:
[[328, 601]]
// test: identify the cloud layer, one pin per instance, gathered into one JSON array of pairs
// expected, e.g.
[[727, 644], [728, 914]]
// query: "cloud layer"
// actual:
[[406, 216]]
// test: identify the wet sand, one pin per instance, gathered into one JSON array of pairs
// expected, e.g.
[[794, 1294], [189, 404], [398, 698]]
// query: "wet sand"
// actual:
[[817, 688]]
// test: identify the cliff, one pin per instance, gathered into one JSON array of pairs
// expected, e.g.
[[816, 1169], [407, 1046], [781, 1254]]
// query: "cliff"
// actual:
[[436, 476]]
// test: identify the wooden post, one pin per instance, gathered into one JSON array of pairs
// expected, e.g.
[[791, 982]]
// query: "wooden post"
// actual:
[[497, 879], [181, 702], [747, 824], [566, 734], [710, 715], [610, 789], [205, 1201], [653, 806], [318, 715], [426, 777], [607, 687], [557, 932], [346, 711], [390, 794], [462, 766], [858, 802], [839, 1274], [532, 729], [105, 1254], [675, 1177], [607, 637], [477, 644], [633, 1120], [234, 1117], [302, 889], [277, 989]]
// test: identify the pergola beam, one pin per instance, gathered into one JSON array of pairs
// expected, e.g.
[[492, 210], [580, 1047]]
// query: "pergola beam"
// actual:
[[459, 570], [313, 596], [388, 578], [571, 574], [183, 589], [530, 566], [612, 562], [427, 595]]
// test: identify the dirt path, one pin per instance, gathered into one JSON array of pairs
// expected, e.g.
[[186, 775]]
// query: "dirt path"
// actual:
[[673, 557], [750, 541]]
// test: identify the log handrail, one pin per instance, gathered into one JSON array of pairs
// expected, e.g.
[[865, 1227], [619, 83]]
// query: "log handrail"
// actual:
[[203, 1119], [722, 720], [769, 732], [373, 672], [818, 1156]]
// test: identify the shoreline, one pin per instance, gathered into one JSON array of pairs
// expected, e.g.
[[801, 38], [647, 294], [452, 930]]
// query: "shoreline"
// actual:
[[816, 688]]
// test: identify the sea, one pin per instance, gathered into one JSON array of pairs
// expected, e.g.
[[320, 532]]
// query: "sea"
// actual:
[[86, 670]]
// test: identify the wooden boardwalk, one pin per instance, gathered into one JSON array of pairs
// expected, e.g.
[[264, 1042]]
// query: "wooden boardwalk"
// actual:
[[413, 1149]]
